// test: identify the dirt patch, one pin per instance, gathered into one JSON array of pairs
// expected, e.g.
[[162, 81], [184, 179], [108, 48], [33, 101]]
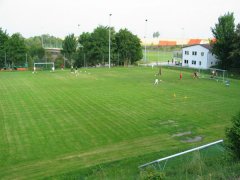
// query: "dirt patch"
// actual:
[[167, 122], [194, 139], [182, 134]]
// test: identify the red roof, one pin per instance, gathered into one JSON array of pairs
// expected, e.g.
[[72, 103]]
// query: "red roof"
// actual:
[[167, 43], [194, 41]]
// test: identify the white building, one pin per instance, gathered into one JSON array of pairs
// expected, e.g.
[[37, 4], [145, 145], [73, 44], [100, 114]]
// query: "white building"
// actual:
[[198, 56]]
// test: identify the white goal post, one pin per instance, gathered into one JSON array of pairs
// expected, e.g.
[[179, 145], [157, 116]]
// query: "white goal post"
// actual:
[[44, 63], [181, 153], [214, 73]]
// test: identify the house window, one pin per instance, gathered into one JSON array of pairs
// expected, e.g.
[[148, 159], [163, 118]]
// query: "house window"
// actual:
[[193, 62], [211, 62], [187, 52], [185, 61], [194, 53], [202, 53], [200, 63]]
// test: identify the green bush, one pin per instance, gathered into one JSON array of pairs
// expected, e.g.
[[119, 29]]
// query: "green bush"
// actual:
[[150, 173], [196, 165], [233, 137]]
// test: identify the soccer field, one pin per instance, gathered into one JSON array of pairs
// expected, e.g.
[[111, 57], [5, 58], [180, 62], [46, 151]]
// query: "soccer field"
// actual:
[[55, 123]]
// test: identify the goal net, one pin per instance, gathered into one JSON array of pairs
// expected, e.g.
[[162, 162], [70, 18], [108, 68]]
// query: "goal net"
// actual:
[[214, 74], [40, 66], [186, 163]]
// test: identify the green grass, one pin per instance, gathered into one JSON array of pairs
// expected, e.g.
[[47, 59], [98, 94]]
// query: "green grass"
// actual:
[[158, 56], [52, 124]]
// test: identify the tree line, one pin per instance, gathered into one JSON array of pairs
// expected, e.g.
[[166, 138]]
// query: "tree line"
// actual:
[[91, 49], [88, 49], [227, 42], [17, 51], [12, 49]]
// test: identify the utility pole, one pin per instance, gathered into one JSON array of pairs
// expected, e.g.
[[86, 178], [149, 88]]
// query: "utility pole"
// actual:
[[26, 65], [64, 60], [109, 54], [42, 41], [182, 36], [84, 58], [79, 29], [5, 59], [145, 41]]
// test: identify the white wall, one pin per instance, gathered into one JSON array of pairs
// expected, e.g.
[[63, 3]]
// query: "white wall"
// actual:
[[212, 60], [204, 58]]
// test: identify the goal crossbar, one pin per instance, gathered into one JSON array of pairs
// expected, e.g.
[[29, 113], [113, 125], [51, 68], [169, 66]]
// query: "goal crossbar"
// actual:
[[45, 63], [181, 153], [214, 73], [223, 70]]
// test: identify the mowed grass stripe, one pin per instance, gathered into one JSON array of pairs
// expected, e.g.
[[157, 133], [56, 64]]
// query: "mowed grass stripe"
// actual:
[[106, 123], [99, 155], [120, 116]]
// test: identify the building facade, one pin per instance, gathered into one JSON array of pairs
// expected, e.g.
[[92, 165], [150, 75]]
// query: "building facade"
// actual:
[[198, 56]]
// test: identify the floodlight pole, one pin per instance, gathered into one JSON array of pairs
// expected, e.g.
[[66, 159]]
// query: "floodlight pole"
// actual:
[[223, 75], [182, 43], [109, 54], [42, 41], [182, 36], [5, 59], [158, 49], [26, 60], [79, 28], [145, 40], [84, 58], [64, 61]]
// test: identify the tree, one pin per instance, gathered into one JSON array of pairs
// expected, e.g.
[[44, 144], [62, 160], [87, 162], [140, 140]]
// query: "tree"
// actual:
[[84, 51], [233, 137], [3, 43], [16, 50], [156, 34], [224, 34], [69, 47], [34, 48], [235, 54], [128, 47], [100, 44], [94, 47]]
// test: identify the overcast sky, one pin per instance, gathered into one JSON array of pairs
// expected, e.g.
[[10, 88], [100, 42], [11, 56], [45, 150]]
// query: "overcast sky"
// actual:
[[174, 19]]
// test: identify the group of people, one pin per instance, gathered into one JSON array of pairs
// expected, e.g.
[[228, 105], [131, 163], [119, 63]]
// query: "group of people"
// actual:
[[62, 67], [195, 75], [172, 61], [74, 71]]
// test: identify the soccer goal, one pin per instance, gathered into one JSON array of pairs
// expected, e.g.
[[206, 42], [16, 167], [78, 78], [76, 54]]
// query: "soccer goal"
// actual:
[[214, 74], [187, 160], [44, 66]]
